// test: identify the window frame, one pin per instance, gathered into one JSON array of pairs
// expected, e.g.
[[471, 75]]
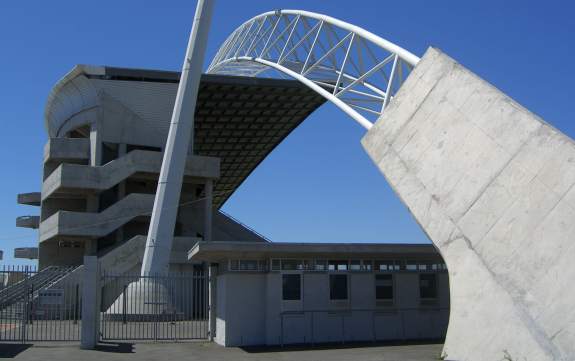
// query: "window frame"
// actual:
[[340, 274], [436, 287], [291, 273], [385, 301]]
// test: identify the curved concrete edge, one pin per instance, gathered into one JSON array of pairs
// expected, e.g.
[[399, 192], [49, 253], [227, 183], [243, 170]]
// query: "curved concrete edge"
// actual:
[[492, 185]]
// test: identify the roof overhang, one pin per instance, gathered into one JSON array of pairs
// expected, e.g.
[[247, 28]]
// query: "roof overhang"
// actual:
[[238, 119], [219, 251]]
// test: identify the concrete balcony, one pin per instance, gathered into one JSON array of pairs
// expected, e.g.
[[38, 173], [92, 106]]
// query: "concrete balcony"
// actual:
[[75, 178], [28, 222], [67, 149], [26, 252], [95, 225], [30, 199]]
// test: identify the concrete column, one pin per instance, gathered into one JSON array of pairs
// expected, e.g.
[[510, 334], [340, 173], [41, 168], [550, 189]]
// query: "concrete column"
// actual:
[[212, 274], [90, 247], [95, 145], [90, 303], [180, 137], [208, 209], [121, 191], [493, 186], [93, 200]]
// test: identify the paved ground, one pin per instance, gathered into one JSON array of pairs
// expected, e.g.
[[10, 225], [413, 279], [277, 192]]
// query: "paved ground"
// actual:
[[211, 352]]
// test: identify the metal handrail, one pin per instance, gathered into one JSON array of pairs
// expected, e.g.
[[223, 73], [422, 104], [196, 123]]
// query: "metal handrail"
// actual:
[[245, 226]]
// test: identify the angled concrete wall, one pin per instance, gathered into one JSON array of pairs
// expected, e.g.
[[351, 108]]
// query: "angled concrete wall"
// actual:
[[491, 184]]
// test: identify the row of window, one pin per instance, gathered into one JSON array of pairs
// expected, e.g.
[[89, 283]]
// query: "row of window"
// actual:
[[338, 287], [336, 265]]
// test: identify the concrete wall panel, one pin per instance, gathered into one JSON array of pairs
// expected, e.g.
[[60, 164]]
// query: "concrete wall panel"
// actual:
[[491, 184]]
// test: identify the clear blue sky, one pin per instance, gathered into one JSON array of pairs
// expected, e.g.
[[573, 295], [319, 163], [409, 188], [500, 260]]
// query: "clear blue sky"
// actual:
[[526, 48]]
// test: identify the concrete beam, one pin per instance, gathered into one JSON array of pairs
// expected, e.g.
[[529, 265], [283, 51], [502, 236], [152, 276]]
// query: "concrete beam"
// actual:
[[28, 222], [493, 186], [30, 199], [58, 149]]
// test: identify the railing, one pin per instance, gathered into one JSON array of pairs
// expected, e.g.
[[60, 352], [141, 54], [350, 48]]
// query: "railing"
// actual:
[[245, 226], [171, 307], [399, 315], [40, 305]]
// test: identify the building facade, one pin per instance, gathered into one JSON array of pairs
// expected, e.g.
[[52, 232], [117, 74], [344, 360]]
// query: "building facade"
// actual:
[[296, 293], [107, 128]]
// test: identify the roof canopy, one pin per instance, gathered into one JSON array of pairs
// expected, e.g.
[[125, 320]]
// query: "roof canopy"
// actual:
[[238, 119]]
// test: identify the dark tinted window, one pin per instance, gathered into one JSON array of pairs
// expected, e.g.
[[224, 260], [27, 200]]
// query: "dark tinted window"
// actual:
[[384, 287], [291, 287], [338, 287], [428, 286]]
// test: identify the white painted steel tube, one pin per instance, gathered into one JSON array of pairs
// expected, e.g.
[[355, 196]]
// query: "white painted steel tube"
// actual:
[[407, 56]]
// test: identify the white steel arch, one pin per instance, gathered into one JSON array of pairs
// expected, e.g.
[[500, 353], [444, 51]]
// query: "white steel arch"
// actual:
[[353, 68]]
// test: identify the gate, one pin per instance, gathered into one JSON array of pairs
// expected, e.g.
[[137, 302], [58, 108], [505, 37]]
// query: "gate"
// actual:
[[40, 305], [172, 307]]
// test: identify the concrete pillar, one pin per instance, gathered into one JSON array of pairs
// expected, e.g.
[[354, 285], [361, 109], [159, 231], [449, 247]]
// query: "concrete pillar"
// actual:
[[493, 186], [212, 274], [121, 192], [90, 247], [90, 303], [93, 200], [95, 145], [208, 209], [180, 137]]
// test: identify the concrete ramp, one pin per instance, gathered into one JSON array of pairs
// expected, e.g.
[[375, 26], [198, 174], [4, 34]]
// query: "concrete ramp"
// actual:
[[491, 184]]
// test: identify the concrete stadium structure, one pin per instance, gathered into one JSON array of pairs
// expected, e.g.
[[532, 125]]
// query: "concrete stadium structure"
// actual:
[[107, 130], [491, 184]]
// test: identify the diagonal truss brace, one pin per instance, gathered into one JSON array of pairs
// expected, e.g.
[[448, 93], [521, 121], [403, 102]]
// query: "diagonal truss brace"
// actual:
[[353, 68]]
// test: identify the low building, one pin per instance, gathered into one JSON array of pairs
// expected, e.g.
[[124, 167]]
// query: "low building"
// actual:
[[286, 293]]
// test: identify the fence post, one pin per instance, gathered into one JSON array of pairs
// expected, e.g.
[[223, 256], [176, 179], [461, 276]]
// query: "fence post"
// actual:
[[212, 273], [90, 303]]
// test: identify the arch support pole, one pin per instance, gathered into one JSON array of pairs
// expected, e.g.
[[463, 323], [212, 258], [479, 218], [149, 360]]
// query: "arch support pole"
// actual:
[[178, 145]]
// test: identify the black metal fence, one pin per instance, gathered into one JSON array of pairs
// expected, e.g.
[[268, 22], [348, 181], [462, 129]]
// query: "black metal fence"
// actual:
[[171, 307], [42, 305]]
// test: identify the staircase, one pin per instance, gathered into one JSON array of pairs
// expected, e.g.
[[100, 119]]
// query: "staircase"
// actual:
[[30, 286]]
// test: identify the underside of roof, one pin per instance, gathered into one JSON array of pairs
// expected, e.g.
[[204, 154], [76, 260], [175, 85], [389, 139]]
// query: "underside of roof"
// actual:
[[238, 119]]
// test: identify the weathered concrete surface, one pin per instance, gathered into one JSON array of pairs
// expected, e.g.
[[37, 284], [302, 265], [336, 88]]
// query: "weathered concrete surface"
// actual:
[[85, 177], [491, 184]]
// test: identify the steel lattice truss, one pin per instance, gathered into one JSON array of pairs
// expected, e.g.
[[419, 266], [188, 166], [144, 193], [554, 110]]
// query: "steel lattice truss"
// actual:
[[356, 70]]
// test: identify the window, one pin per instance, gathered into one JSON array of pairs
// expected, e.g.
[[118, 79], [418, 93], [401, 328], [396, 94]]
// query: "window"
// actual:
[[385, 265], [291, 287], [366, 265], [384, 287], [275, 264], [411, 266], [337, 265], [248, 265], [355, 265], [427, 286], [338, 287], [290, 264], [320, 265]]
